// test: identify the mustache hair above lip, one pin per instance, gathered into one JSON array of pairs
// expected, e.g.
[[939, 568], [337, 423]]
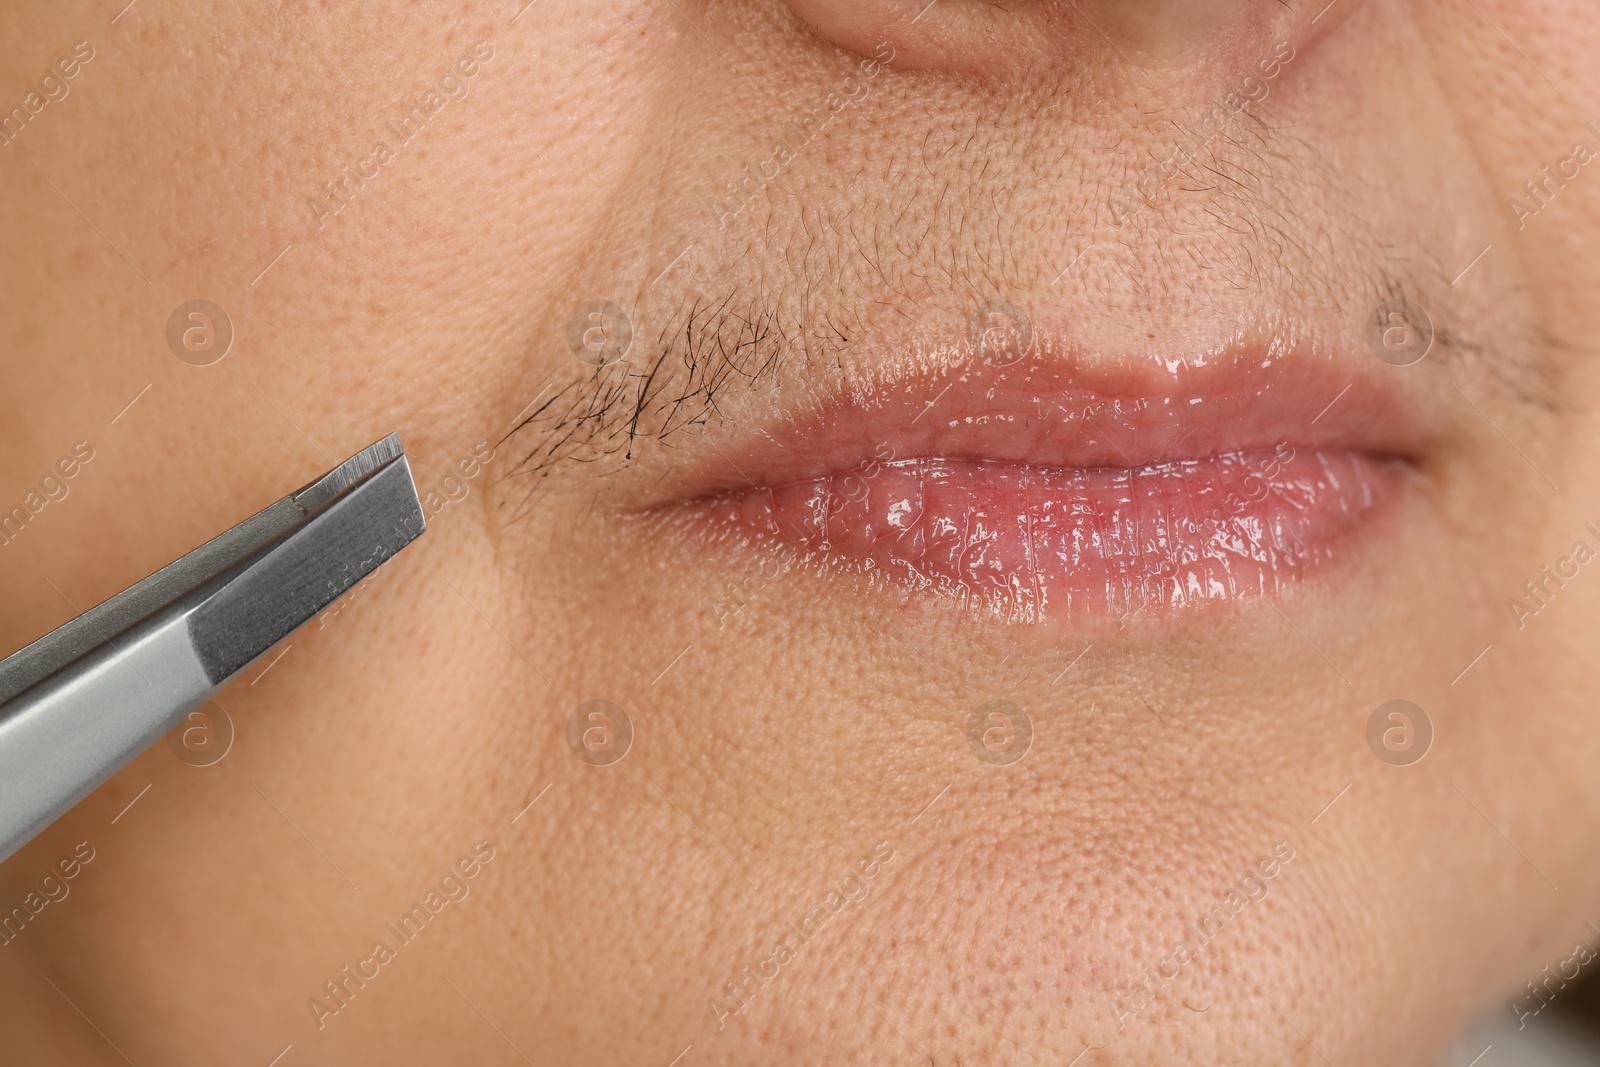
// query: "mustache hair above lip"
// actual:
[[709, 357]]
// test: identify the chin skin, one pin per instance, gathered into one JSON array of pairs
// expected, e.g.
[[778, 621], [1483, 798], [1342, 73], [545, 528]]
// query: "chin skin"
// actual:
[[797, 720]]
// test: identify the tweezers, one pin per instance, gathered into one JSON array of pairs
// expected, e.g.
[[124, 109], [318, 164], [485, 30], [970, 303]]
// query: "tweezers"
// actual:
[[86, 698]]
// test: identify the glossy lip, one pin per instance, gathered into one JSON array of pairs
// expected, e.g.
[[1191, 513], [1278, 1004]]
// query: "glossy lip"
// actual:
[[1065, 484]]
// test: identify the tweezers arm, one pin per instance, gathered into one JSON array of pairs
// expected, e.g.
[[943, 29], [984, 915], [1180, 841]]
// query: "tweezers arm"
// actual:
[[106, 620], [72, 729], [84, 722]]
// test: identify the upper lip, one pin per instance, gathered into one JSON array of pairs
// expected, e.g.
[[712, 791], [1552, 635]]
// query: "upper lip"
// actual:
[[1061, 407]]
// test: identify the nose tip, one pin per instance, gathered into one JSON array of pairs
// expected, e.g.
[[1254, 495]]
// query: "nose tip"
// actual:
[[997, 37]]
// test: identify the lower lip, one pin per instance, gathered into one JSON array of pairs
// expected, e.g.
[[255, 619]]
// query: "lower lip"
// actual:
[[1033, 542]]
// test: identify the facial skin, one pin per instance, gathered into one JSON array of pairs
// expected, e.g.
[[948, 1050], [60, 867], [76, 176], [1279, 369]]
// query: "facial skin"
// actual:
[[811, 723]]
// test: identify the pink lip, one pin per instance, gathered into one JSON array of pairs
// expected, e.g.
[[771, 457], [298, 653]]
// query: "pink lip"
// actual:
[[1068, 487]]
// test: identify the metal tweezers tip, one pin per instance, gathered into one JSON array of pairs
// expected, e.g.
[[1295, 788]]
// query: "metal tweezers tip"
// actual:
[[335, 482]]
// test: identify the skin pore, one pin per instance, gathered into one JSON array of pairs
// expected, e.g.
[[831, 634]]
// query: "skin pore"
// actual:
[[799, 207]]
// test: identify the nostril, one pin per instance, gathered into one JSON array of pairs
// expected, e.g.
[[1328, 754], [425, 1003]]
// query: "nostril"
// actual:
[[966, 35], [999, 37]]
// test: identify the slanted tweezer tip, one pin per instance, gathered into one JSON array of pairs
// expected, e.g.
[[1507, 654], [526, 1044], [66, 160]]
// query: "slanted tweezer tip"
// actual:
[[348, 473]]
